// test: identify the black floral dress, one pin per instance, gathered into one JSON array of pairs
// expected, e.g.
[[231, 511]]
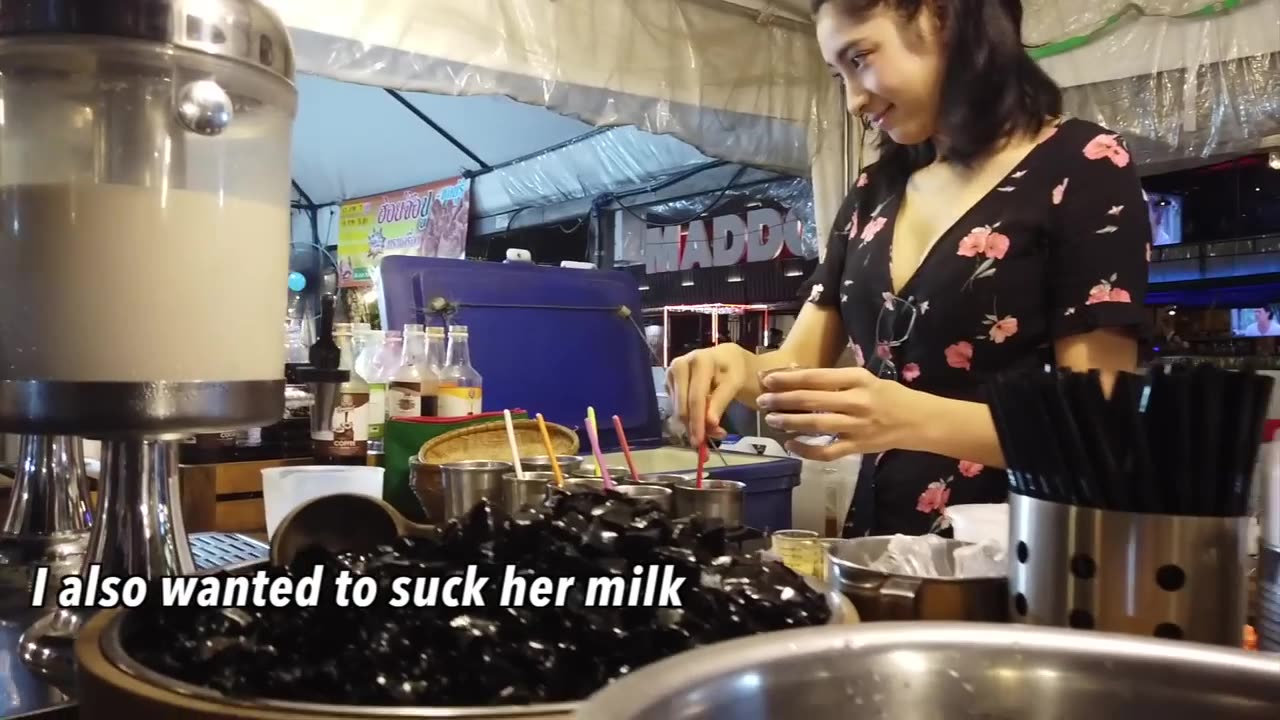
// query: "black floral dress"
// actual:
[[1060, 247]]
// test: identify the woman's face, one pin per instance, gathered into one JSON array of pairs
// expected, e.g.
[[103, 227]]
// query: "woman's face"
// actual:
[[891, 68]]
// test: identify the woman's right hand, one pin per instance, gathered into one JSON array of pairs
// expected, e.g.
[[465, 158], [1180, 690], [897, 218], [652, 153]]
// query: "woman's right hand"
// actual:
[[703, 383]]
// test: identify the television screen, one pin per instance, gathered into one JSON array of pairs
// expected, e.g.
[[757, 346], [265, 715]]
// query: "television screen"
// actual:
[[1256, 321], [1165, 211]]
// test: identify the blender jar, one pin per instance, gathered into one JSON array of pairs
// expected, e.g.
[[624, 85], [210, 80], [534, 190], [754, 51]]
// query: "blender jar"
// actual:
[[144, 215]]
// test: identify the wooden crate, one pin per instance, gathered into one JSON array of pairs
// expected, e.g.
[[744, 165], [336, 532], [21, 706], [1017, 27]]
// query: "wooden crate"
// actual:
[[226, 497]]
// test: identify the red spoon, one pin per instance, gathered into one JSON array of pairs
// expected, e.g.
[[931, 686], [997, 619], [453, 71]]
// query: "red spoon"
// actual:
[[702, 461]]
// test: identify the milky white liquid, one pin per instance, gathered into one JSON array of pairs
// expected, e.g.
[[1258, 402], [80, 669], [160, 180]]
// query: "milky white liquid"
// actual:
[[115, 283]]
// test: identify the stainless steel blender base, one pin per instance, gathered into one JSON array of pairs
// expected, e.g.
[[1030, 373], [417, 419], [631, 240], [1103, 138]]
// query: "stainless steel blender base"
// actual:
[[139, 532], [137, 408]]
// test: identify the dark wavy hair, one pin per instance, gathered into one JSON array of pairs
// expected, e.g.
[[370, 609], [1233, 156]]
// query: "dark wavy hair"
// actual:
[[991, 87]]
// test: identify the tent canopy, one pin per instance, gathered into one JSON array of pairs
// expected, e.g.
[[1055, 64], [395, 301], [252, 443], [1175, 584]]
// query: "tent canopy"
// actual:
[[742, 81]]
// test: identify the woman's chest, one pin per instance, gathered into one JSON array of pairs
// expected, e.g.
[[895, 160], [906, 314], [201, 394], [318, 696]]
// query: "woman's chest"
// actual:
[[975, 275]]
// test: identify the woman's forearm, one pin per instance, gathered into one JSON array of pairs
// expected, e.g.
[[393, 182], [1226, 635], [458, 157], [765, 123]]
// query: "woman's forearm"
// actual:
[[955, 428]]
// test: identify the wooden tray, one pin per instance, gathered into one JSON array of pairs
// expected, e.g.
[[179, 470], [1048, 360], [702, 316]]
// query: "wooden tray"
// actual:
[[488, 441]]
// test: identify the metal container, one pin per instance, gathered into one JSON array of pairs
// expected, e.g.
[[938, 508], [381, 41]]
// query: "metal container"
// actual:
[[719, 499], [531, 490], [618, 474], [466, 483], [888, 596], [156, 141], [1269, 599], [569, 464], [112, 685], [945, 670], [1142, 574], [659, 496]]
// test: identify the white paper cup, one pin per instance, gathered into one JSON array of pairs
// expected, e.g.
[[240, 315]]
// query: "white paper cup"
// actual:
[[285, 488]]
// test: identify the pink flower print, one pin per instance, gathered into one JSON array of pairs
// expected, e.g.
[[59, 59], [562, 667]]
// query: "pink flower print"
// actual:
[[1002, 329], [1060, 191], [910, 372], [970, 469], [934, 498], [888, 300], [1106, 291], [884, 351], [973, 244], [997, 245], [863, 180], [960, 355], [852, 228], [984, 241], [873, 228], [1109, 147], [859, 359]]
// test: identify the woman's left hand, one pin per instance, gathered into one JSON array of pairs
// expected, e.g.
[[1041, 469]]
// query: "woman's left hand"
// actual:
[[865, 413]]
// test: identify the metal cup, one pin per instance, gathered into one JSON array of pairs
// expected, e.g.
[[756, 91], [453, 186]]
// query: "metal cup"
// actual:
[[719, 499], [666, 480], [577, 485], [531, 491], [467, 483], [618, 474], [569, 464], [655, 494]]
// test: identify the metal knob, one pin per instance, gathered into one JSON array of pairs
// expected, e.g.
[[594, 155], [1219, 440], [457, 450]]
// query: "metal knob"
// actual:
[[205, 108]]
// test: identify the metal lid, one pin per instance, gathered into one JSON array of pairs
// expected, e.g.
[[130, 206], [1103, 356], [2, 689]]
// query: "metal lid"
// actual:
[[241, 29]]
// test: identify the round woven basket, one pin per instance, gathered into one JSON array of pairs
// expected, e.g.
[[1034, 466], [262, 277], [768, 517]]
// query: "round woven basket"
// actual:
[[486, 441]]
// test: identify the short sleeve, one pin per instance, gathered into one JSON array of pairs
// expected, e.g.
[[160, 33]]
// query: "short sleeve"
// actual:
[[823, 287], [1100, 236]]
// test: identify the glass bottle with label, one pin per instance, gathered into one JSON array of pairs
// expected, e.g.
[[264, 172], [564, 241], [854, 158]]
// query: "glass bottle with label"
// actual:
[[433, 367], [348, 440], [461, 387], [405, 393]]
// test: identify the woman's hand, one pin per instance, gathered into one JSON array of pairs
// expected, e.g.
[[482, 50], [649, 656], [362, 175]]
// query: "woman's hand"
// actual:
[[703, 383], [865, 413]]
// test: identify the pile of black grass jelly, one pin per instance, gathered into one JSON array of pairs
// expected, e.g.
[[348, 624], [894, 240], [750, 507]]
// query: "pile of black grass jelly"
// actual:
[[491, 655]]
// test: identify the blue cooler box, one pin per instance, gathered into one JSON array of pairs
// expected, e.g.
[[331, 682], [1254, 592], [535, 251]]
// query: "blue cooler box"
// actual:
[[556, 341]]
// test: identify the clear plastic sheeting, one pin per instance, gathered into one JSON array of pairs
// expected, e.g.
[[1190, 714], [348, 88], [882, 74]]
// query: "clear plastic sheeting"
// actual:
[[1182, 79], [795, 221], [621, 158], [707, 72]]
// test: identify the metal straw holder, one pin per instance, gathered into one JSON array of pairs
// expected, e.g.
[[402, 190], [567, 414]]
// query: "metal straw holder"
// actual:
[[1269, 599], [1177, 577]]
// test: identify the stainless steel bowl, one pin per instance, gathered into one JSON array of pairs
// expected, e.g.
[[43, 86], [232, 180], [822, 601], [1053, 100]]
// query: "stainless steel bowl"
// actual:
[[946, 670]]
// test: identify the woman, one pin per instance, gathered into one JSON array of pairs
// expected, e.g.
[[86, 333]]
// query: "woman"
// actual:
[[991, 235]]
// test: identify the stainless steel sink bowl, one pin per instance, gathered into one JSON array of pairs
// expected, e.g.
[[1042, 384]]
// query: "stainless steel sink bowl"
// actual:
[[939, 671]]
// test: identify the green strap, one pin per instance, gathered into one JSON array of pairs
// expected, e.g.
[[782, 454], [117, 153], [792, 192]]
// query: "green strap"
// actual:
[[1129, 11]]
